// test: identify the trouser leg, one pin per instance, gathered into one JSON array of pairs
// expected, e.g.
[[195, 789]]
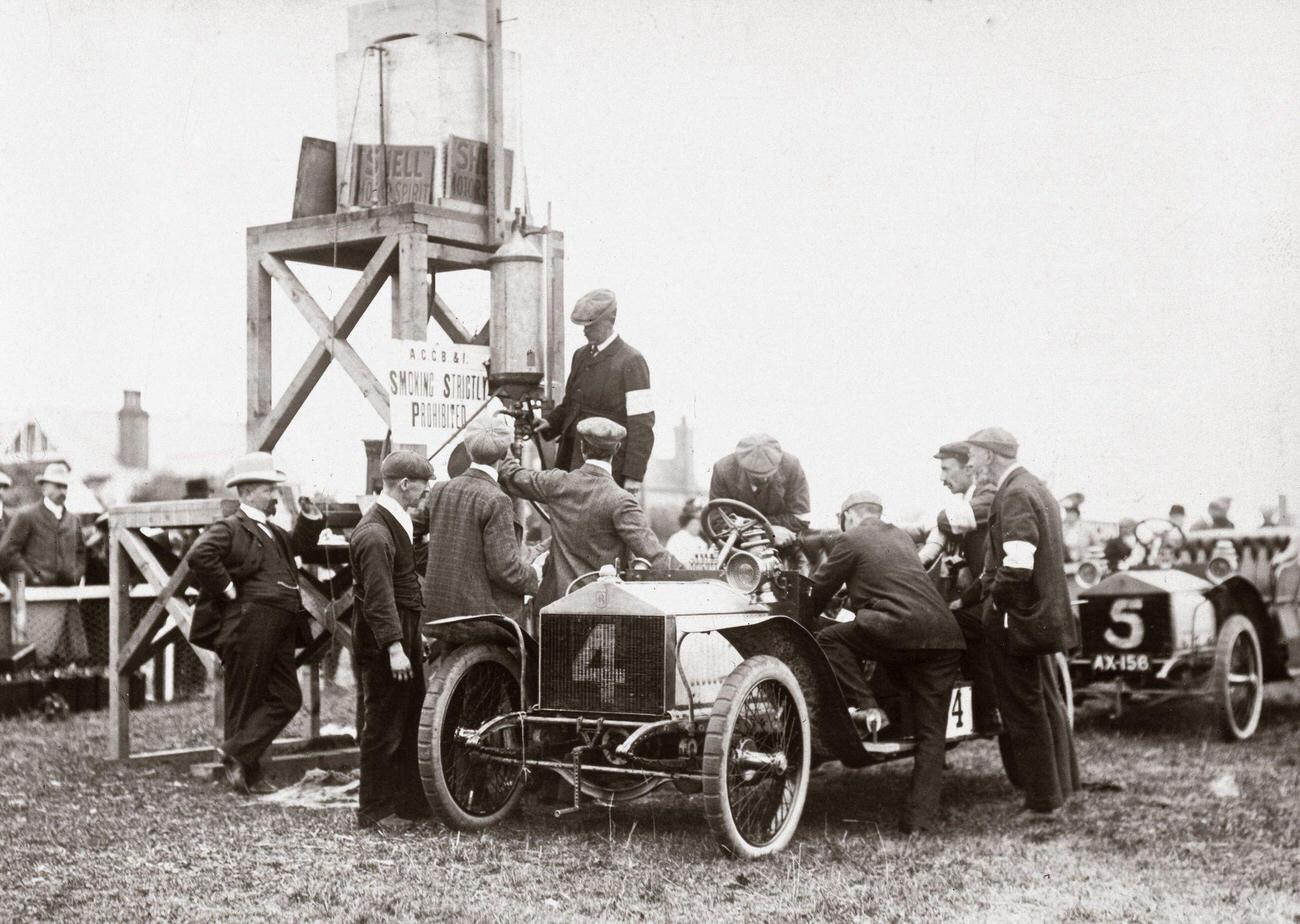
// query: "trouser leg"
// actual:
[[976, 668], [383, 699], [261, 683], [930, 678], [846, 648], [1028, 730]]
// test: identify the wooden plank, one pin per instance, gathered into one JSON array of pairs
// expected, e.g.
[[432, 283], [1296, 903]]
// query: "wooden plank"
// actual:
[[496, 174], [453, 226], [556, 320], [272, 427], [136, 650], [186, 757], [411, 288], [286, 768], [328, 612], [156, 575], [450, 257], [119, 622], [177, 513], [342, 351], [259, 343], [451, 325]]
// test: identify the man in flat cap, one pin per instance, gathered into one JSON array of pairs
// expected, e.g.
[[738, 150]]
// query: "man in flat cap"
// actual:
[[475, 565], [954, 551], [759, 473], [250, 612], [607, 378], [1216, 516], [44, 542], [900, 622], [1027, 620], [593, 521], [387, 645]]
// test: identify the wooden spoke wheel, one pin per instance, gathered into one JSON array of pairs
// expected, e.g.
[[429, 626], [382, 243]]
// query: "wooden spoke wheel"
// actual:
[[1238, 681], [756, 759], [470, 686]]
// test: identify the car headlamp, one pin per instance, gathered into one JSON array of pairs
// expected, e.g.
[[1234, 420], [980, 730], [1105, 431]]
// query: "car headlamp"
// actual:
[[744, 572], [1089, 574], [1223, 563]]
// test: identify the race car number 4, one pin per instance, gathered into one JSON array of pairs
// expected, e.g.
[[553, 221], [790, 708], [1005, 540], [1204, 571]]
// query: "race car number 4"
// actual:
[[960, 720], [1121, 662]]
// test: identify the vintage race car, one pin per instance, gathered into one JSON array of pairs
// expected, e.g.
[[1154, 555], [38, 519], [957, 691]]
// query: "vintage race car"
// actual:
[[1208, 615], [712, 681]]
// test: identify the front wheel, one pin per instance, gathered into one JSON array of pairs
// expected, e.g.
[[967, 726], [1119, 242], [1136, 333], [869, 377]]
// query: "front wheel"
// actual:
[[1238, 681], [756, 758], [470, 686]]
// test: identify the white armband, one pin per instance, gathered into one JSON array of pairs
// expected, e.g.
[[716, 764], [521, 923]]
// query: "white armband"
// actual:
[[640, 401], [1019, 554]]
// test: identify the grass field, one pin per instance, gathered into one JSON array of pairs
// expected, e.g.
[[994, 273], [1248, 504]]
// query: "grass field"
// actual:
[[1150, 839]]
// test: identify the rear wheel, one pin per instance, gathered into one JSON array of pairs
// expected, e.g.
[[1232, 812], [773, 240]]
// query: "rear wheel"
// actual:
[[470, 686], [1238, 681], [756, 758]]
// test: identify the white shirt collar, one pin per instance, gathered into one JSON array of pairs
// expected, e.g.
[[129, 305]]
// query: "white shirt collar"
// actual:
[[1007, 474], [399, 514], [606, 342], [606, 467], [485, 469], [253, 514], [970, 492], [53, 508]]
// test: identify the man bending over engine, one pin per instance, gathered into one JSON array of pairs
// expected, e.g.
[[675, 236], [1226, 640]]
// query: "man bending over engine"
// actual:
[[902, 623]]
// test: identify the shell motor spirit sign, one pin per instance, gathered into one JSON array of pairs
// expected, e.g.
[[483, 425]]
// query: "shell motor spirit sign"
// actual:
[[434, 388]]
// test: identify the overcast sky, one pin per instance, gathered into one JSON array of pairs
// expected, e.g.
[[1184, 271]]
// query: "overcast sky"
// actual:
[[866, 228]]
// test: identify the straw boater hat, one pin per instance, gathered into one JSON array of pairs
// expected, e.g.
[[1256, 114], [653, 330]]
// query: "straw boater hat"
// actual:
[[55, 473], [254, 468]]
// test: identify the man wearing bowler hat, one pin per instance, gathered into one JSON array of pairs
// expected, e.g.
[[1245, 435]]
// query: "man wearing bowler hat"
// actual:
[[474, 561], [1026, 621], [607, 378], [901, 622], [386, 642], [250, 612], [764, 476], [44, 542], [594, 522]]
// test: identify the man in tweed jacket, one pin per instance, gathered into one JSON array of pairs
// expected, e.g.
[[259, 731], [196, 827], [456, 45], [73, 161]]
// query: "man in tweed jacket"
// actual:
[[474, 563], [593, 520]]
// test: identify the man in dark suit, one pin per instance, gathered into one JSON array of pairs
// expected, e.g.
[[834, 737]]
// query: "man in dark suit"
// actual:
[[593, 521], [759, 473], [1028, 620], [474, 558], [250, 612], [44, 542], [387, 645], [607, 378], [901, 622], [954, 553]]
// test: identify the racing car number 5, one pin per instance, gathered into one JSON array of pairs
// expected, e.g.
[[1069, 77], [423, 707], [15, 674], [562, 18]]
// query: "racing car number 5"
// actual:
[[1127, 612]]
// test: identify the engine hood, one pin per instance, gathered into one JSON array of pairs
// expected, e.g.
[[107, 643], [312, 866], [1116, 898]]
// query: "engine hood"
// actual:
[[1145, 583], [654, 598]]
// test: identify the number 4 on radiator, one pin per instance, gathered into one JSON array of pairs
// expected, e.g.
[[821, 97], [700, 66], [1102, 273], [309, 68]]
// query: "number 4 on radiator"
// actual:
[[595, 660]]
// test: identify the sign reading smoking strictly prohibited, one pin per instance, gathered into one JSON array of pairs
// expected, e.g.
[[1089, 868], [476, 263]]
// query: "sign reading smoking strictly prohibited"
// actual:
[[434, 388]]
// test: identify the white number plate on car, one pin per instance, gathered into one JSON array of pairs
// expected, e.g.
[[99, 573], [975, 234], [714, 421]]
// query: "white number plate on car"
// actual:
[[960, 720], [1121, 662]]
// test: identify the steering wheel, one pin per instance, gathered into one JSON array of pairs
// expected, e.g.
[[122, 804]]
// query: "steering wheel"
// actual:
[[1157, 529], [729, 525]]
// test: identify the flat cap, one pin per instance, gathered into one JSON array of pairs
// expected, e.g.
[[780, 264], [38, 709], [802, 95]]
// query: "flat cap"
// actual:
[[6, 481], [958, 451], [1073, 500], [1225, 502], [857, 498], [487, 437], [403, 463], [601, 431], [759, 454], [596, 305], [995, 440]]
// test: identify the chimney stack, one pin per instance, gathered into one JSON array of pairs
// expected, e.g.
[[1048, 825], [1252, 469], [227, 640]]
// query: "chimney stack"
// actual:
[[132, 432]]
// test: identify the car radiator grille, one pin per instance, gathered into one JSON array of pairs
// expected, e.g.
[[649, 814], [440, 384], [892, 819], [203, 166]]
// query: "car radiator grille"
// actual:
[[611, 664]]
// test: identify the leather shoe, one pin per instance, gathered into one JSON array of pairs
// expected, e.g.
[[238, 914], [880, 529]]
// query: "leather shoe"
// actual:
[[261, 788], [235, 775]]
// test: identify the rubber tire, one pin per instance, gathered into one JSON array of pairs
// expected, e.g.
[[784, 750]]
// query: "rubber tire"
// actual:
[[717, 807], [449, 671], [1234, 627]]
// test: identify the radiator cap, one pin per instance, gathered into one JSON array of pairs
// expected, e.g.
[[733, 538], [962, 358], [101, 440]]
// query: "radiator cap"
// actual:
[[608, 575]]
